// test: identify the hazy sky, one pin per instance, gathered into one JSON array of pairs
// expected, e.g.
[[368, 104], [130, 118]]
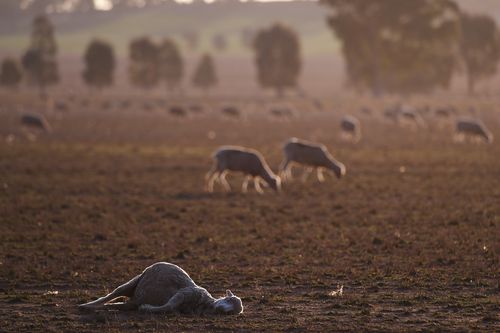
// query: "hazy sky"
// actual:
[[106, 4]]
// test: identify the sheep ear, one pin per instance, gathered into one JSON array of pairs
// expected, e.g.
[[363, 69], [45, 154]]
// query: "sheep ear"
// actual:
[[229, 293]]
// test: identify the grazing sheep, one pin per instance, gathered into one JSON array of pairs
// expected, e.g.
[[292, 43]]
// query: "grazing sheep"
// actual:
[[84, 103], [442, 113], [36, 121], [231, 111], [351, 128], [106, 105], [391, 113], [318, 104], [177, 111], [424, 109], [410, 118], [125, 104], [161, 103], [311, 155], [167, 288], [196, 108], [282, 113], [473, 129], [247, 161], [148, 107], [61, 107], [366, 110]]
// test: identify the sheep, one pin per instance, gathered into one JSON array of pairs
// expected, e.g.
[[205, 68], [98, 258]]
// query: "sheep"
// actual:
[[410, 118], [231, 111], [351, 128], [61, 107], [311, 155], [391, 113], [125, 104], [148, 106], [239, 159], [318, 104], [178, 111], [106, 105], [36, 121], [167, 288], [84, 103], [161, 103], [442, 113], [366, 110], [473, 129], [196, 108], [283, 113]]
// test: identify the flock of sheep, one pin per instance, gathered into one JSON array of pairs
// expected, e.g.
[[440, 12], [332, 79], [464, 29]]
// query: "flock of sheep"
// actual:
[[165, 287], [466, 127]]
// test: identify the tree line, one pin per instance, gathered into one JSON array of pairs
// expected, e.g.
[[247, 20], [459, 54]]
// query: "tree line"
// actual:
[[389, 47], [150, 63]]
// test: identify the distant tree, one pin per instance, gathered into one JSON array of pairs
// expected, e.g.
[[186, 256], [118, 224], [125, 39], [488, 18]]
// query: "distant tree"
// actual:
[[99, 61], [204, 76], [143, 67], [10, 73], [171, 64], [40, 61], [219, 42], [277, 57], [480, 47], [397, 46]]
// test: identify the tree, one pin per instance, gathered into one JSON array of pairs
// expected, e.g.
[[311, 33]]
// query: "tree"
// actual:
[[277, 57], [99, 61], [40, 61], [10, 73], [170, 64], [479, 47], [204, 76], [397, 46], [143, 67]]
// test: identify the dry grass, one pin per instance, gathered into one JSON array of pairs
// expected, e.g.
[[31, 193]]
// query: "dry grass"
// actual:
[[111, 192]]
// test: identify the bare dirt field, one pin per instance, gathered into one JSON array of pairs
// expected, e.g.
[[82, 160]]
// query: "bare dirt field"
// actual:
[[412, 232]]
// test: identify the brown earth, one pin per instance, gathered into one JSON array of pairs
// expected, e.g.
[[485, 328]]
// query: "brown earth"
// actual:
[[411, 233]]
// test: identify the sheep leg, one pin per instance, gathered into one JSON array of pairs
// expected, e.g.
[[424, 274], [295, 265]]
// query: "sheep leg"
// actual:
[[121, 306], [244, 186], [306, 173], [126, 289], [284, 169], [211, 180], [223, 180], [357, 137], [256, 184], [172, 305], [288, 172], [319, 174]]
